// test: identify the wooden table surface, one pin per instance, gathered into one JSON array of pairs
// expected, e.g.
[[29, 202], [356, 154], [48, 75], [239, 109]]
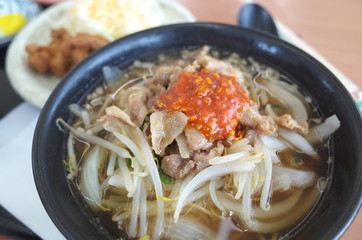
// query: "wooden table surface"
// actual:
[[332, 27]]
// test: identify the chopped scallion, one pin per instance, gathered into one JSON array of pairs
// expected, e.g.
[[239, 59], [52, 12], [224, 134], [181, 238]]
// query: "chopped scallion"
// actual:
[[145, 237], [297, 161], [165, 178], [272, 106], [67, 163], [129, 162]]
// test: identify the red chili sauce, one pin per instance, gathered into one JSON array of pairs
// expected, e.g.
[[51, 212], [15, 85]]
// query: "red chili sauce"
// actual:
[[213, 102]]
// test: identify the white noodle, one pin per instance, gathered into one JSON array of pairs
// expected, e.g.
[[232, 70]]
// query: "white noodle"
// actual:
[[206, 175], [298, 141], [189, 229], [73, 168], [246, 201], [89, 184], [235, 147], [136, 167], [255, 179], [201, 192], [133, 222], [228, 158], [299, 112], [280, 208], [143, 210], [111, 164], [175, 189], [85, 118], [287, 219], [241, 184], [103, 108], [127, 177], [147, 153], [298, 178], [121, 217], [327, 128], [95, 129], [186, 181], [214, 198], [264, 199], [132, 146], [117, 180], [229, 202], [273, 142], [96, 140], [76, 109]]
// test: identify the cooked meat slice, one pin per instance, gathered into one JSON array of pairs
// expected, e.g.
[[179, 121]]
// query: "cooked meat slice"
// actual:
[[147, 132], [182, 146], [156, 92], [165, 127], [162, 76], [251, 135], [196, 140], [137, 101], [290, 123], [218, 66], [165, 76], [202, 158], [195, 66], [175, 166], [113, 113], [287, 121], [251, 118]]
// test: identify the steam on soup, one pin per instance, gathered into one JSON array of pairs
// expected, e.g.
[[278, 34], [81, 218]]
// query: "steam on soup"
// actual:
[[199, 146]]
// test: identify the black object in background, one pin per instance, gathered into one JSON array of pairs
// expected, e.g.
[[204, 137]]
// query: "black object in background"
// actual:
[[10, 227], [9, 98], [256, 17]]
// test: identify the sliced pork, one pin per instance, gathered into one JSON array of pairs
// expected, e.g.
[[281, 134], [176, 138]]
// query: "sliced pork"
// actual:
[[196, 140], [165, 127], [251, 118], [175, 166]]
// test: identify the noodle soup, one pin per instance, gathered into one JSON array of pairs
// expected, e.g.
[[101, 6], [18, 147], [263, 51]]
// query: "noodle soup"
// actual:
[[202, 145]]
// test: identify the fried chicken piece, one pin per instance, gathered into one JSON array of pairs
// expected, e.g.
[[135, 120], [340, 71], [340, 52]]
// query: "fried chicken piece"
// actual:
[[38, 58], [63, 53]]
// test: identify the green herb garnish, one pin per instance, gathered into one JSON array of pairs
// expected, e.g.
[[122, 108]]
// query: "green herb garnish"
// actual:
[[272, 106], [165, 178], [67, 163], [129, 162], [66, 166], [297, 160]]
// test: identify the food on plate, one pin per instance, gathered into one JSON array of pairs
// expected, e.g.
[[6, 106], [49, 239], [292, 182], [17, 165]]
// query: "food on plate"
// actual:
[[93, 24], [11, 23], [115, 18], [200, 144], [63, 53]]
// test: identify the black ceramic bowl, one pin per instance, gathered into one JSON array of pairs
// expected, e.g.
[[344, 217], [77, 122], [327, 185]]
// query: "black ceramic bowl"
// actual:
[[335, 210]]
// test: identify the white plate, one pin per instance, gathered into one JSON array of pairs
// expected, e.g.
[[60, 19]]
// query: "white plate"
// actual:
[[36, 88]]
